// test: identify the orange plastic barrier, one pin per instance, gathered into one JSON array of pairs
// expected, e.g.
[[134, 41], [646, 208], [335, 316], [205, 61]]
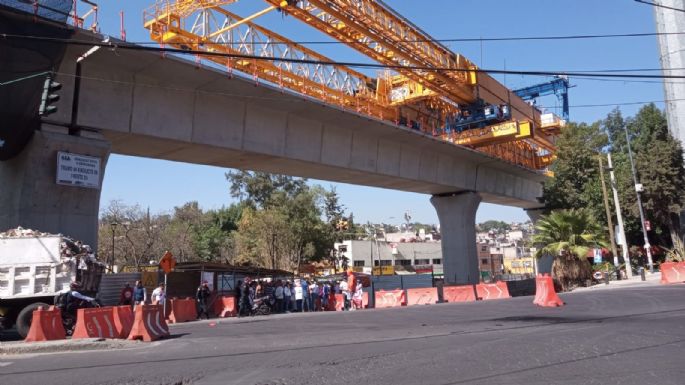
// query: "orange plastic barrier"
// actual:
[[390, 298], [95, 323], [149, 325], [422, 296], [123, 320], [545, 295], [487, 291], [672, 272], [182, 310], [225, 306], [46, 325], [458, 293], [365, 300]]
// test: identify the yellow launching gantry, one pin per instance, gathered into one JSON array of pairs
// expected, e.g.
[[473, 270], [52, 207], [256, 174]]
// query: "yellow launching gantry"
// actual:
[[427, 87]]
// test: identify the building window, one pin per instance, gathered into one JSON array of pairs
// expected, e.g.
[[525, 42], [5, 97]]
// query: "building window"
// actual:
[[484, 261], [359, 263], [421, 261], [484, 248], [342, 248], [386, 263], [437, 261], [375, 263], [402, 262]]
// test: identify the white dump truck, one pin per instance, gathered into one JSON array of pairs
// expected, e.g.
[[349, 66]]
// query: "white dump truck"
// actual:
[[34, 267]]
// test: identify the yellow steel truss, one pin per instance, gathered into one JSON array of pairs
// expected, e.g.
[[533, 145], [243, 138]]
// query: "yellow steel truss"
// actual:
[[430, 83]]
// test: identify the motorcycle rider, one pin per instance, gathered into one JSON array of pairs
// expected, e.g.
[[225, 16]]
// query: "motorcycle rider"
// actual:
[[69, 301]]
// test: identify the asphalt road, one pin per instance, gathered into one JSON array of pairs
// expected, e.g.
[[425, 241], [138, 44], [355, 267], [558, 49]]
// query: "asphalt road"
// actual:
[[623, 336]]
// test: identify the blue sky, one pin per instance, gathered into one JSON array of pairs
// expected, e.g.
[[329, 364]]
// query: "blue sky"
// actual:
[[161, 185]]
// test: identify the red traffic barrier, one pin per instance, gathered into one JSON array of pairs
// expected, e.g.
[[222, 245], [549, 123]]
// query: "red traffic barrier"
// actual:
[[123, 320], [487, 291], [225, 306], [458, 293], [365, 300], [46, 325], [545, 295], [95, 323], [422, 296], [149, 324], [672, 272], [182, 310], [390, 298]]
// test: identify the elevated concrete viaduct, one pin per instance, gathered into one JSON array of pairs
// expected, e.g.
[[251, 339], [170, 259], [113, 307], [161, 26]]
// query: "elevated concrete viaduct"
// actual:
[[142, 104]]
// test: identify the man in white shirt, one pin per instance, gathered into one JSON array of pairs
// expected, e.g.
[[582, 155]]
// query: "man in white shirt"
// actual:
[[158, 295], [346, 293]]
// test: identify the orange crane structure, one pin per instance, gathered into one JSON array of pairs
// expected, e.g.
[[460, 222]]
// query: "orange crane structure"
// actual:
[[425, 86]]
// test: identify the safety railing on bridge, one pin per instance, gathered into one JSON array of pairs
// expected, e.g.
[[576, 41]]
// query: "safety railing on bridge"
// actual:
[[79, 13]]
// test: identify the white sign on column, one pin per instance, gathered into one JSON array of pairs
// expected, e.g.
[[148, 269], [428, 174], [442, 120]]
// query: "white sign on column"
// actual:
[[78, 170]]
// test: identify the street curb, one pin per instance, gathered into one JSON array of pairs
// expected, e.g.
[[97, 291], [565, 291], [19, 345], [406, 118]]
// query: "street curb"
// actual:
[[21, 347]]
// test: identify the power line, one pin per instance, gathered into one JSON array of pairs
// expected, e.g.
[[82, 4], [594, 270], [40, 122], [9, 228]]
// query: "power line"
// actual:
[[459, 40], [126, 46], [654, 4]]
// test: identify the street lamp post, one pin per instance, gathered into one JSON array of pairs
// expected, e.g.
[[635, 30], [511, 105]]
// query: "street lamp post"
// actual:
[[648, 247], [113, 225]]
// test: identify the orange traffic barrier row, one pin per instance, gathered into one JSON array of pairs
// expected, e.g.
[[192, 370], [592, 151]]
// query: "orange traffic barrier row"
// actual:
[[149, 324], [123, 320], [545, 295], [390, 298], [422, 296], [464, 293], [224, 306], [487, 291], [182, 310], [672, 272], [95, 323], [46, 325]]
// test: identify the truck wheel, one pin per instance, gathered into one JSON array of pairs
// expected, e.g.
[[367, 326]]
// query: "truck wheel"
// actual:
[[26, 316]]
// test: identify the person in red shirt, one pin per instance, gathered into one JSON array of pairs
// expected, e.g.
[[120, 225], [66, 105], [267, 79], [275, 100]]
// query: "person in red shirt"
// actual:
[[126, 297]]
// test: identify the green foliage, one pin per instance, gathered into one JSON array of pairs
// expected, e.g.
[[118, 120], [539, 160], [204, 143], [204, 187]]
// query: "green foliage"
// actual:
[[658, 162], [572, 232], [493, 225], [568, 235], [576, 182]]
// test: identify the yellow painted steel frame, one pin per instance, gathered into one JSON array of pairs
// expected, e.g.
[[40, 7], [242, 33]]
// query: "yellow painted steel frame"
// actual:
[[373, 29]]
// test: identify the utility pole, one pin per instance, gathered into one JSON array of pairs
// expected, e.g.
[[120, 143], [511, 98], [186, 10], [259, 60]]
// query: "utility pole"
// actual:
[[619, 218], [638, 189], [273, 251], [610, 222]]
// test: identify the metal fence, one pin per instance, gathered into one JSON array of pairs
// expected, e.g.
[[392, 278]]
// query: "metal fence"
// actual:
[[57, 10], [392, 282], [111, 285]]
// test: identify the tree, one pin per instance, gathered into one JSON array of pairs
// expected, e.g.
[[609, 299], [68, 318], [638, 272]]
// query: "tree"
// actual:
[[576, 182], [568, 236], [286, 217], [493, 225], [659, 168]]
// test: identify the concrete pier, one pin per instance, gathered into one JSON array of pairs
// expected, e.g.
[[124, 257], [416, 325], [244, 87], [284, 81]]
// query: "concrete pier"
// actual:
[[457, 215], [31, 198]]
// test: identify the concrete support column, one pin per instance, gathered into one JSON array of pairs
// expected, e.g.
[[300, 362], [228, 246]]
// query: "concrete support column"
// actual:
[[535, 214], [31, 198], [457, 215]]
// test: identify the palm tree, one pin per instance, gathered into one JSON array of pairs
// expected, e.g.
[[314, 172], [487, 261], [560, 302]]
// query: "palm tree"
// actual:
[[568, 235]]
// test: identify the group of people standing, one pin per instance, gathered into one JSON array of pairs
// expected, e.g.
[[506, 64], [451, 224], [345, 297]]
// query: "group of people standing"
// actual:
[[137, 295]]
